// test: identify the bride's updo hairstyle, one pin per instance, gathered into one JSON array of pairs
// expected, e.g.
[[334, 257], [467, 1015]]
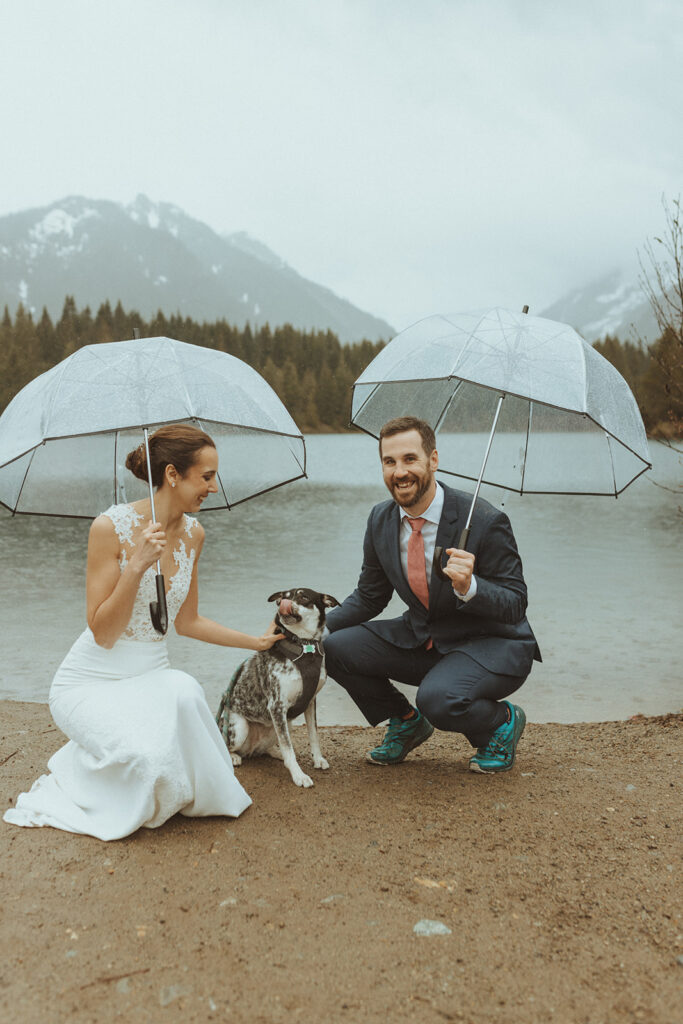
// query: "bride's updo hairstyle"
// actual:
[[175, 445]]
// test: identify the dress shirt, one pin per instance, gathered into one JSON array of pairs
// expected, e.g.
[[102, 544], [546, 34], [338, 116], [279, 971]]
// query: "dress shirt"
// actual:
[[432, 517]]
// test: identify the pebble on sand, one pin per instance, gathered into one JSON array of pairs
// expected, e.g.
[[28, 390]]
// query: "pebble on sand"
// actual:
[[427, 927]]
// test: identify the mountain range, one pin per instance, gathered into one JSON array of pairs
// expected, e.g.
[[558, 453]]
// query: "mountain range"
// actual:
[[154, 256]]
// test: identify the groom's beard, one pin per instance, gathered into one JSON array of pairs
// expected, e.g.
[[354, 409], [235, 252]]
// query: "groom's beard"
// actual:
[[414, 494]]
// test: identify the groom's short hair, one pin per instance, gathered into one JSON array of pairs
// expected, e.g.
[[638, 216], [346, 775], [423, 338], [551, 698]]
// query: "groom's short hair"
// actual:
[[403, 423]]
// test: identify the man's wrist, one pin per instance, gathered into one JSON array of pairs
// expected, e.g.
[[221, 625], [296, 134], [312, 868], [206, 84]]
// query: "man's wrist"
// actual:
[[471, 592]]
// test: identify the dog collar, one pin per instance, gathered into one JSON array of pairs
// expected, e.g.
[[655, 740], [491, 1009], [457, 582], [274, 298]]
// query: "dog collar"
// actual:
[[307, 646]]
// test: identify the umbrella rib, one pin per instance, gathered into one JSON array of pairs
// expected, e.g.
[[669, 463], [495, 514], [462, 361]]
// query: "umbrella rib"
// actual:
[[504, 487], [266, 490], [70, 515], [611, 459], [377, 384], [526, 445], [450, 398], [648, 465], [477, 384], [116, 482], [54, 394], [140, 426], [632, 480], [30, 463], [463, 350], [182, 378], [220, 481], [218, 476], [296, 459], [585, 375]]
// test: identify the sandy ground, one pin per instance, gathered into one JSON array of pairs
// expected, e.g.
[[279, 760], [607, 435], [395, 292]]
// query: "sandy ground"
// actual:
[[558, 883]]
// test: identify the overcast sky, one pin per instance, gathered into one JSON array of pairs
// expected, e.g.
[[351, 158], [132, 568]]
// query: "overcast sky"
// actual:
[[415, 157]]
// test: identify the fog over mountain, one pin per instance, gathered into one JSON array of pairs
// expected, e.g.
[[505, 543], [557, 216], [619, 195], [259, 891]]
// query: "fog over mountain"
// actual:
[[613, 303], [154, 256]]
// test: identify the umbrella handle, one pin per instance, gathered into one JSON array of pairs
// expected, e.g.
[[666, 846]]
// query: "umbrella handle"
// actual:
[[438, 554], [157, 609]]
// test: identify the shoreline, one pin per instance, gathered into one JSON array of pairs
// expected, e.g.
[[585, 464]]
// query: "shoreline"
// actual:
[[556, 885], [638, 716]]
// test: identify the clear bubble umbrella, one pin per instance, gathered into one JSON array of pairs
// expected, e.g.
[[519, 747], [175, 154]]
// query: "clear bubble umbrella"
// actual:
[[517, 402], [64, 438]]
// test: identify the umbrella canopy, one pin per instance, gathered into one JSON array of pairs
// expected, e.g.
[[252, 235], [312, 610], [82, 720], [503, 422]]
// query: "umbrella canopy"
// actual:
[[568, 423], [64, 438]]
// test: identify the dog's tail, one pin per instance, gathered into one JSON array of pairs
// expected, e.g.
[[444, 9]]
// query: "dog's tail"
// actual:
[[223, 712]]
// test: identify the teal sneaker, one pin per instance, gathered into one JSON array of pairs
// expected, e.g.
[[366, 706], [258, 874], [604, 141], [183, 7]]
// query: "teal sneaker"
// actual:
[[400, 738], [499, 753]]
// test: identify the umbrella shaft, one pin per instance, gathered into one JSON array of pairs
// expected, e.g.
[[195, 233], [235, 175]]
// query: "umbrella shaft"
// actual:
[[483, 465], [151, 486]]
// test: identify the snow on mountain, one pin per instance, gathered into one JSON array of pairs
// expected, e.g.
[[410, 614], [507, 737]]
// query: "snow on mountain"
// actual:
[[614, 304], [154, 256]]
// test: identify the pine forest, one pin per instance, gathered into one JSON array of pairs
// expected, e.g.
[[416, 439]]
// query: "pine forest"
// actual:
[[311, 371]]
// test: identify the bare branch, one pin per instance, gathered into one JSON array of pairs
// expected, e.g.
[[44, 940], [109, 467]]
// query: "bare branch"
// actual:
[[661, 276]]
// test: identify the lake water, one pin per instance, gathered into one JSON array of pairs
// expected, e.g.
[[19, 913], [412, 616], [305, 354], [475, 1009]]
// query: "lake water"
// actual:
[[604, 578]]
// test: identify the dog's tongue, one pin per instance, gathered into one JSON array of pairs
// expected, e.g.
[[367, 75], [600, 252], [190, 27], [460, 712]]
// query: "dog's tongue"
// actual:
[[286, 606]]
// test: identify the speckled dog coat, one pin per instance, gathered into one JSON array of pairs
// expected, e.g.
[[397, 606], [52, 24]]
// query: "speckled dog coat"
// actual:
[[272, 687]]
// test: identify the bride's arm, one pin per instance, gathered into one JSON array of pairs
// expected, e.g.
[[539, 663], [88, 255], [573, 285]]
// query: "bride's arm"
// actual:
[[110, 593], [189, 622]]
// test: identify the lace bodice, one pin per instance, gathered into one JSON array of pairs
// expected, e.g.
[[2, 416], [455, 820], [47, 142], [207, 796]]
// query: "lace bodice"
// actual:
[[126, 522]]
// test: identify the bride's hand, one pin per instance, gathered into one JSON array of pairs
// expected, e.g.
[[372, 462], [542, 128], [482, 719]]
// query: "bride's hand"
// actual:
[[150, 546], [265, 642]]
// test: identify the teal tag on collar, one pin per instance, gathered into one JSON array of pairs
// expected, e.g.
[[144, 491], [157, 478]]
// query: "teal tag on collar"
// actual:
[[308, 649]]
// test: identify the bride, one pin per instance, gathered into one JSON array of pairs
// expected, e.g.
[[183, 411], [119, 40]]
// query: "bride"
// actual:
[[143, 743]]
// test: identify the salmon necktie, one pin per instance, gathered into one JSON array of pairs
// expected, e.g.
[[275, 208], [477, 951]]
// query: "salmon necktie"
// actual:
[[417, 571]]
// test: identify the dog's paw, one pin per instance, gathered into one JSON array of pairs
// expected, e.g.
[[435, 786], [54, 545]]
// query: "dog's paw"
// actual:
[[236, 759], [320, 762], [302, 780], [276, 753]]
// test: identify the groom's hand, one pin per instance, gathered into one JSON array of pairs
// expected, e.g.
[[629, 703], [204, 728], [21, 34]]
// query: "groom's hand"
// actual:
[[459, 569]]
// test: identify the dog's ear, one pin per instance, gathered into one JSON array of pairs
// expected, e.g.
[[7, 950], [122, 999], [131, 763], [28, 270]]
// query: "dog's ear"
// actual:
[[277, 597], [329, 601]]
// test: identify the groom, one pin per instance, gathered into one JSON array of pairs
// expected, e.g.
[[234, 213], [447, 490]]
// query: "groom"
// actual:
[[464, 643]]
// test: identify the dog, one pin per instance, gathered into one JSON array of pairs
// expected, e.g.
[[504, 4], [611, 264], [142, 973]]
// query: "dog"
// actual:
[[277, 685]]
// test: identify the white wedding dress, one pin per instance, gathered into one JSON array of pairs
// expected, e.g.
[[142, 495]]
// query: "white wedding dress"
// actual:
[[143, 743]]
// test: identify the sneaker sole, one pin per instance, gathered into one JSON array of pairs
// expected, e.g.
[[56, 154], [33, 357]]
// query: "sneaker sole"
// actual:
[[474, 767], [385, 764]]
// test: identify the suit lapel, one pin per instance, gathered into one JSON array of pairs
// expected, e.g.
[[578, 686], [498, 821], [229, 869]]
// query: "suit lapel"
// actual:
[[446, 537], [394, 538]]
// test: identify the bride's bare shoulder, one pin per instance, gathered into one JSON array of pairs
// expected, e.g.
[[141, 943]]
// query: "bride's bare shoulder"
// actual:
[[103, 539]]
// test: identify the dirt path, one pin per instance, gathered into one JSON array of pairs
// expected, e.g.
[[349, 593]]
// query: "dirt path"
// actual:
[[559, 884]]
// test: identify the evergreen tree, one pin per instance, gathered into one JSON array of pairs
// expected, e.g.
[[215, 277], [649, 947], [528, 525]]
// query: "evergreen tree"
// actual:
[[22, 361], [84, 327], [48, 345], [103, 328], [120, 328], [66, 329]]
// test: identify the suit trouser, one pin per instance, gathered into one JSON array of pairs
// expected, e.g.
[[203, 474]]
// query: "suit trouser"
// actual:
[[455, 692]]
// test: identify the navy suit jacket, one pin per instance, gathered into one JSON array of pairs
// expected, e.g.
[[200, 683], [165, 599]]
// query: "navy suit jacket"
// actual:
[[491, 628]]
